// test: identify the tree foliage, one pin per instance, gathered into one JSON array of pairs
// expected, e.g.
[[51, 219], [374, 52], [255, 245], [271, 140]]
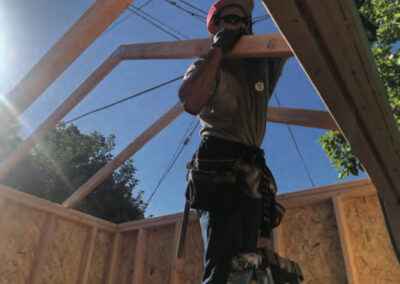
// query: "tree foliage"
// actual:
[[381, 20], [64, 160]]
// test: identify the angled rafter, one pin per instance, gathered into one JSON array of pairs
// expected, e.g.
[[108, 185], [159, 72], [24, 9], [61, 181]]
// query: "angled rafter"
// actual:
[[92, 23], [266, 45], [328, 40]]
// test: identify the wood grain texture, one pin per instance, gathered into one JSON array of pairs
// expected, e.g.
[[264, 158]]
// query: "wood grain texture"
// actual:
[[270, 45], [345, 240], [310, 237], [159, 255], [100, 263], [21, 238], [32, 202], [374, 259], [87, 256], [126, 257], [328, 40], [60, 262], [143, 245]]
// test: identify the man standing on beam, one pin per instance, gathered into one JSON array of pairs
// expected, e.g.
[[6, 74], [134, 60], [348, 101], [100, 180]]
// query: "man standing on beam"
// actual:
[[228, 181]]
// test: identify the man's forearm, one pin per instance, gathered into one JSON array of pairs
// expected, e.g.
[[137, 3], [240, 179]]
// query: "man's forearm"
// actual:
[[196, 90]]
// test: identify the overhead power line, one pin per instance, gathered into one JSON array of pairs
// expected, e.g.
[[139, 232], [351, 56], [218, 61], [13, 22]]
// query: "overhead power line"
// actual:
[[297, 147], [164, 25], [187, 11], [181, 146], [145, 4], [139, 14], [123, 100], [193, 7]]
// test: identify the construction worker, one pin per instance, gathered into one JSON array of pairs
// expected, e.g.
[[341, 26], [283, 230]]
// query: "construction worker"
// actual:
[[228, 181]]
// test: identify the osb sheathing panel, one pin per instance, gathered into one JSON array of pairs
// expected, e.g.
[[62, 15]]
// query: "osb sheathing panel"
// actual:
[[126, 258], [193, 267], [159, 254], [20, 229], [310, 237], [62, 257], [100, 259], [374, 258]]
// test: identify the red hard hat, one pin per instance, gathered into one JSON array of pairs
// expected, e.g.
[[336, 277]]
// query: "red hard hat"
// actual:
[[246, 5]]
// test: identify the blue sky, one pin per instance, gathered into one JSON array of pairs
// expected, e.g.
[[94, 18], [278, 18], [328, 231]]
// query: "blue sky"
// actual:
[[28, 28]]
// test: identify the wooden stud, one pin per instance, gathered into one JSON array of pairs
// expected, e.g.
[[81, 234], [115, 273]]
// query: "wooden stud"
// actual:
[[140, 255], [277, 240], [114, 258], [87, 256], [302, 117], [265, 45], [177, 263], [131, 149], [77, 96], [270, 45], [47, 232], [345, 240], [90, 25], [336, 60]]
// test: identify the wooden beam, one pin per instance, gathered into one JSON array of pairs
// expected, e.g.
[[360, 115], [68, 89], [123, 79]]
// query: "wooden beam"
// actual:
[[345, 240], [164, 121], [87, 256], [90, 25], [177, 262], [113, 269], [75, 98], [131, 149], [47, 231], [55, 209], [140, 255], [301, 117], [270, 45], [328, 40]]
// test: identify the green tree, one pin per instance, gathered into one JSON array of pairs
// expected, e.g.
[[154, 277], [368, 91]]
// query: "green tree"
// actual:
[[64, 160], [381, 20]]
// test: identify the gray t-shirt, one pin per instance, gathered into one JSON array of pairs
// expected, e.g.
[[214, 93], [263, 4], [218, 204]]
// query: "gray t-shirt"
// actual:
[[237, 111]]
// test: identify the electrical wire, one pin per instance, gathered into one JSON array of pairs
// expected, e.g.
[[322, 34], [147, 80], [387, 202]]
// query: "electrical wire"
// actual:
[[136, 11], [195, 15], [160, 23], [145, 4], [193, 7], [124, 99], [297, 147], [181, 146], [117, 23]]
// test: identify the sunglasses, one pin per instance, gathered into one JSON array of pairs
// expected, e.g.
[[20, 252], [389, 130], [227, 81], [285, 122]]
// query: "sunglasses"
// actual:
[[234, 19]]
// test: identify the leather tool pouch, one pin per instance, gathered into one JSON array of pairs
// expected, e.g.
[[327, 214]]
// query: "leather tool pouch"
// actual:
[[212, 186]]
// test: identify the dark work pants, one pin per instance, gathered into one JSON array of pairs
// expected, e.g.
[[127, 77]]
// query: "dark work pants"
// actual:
[[227, 233]]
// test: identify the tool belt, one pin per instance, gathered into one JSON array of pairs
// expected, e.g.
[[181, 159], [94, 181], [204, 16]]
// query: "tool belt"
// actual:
[[220, 184]]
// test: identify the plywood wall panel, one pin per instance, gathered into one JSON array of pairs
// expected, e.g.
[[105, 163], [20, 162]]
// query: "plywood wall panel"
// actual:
[[126, 258], [100, 258], [62, 258], [159, 254], [310, 237], [373, 255], [193, 267], [20, 229]]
